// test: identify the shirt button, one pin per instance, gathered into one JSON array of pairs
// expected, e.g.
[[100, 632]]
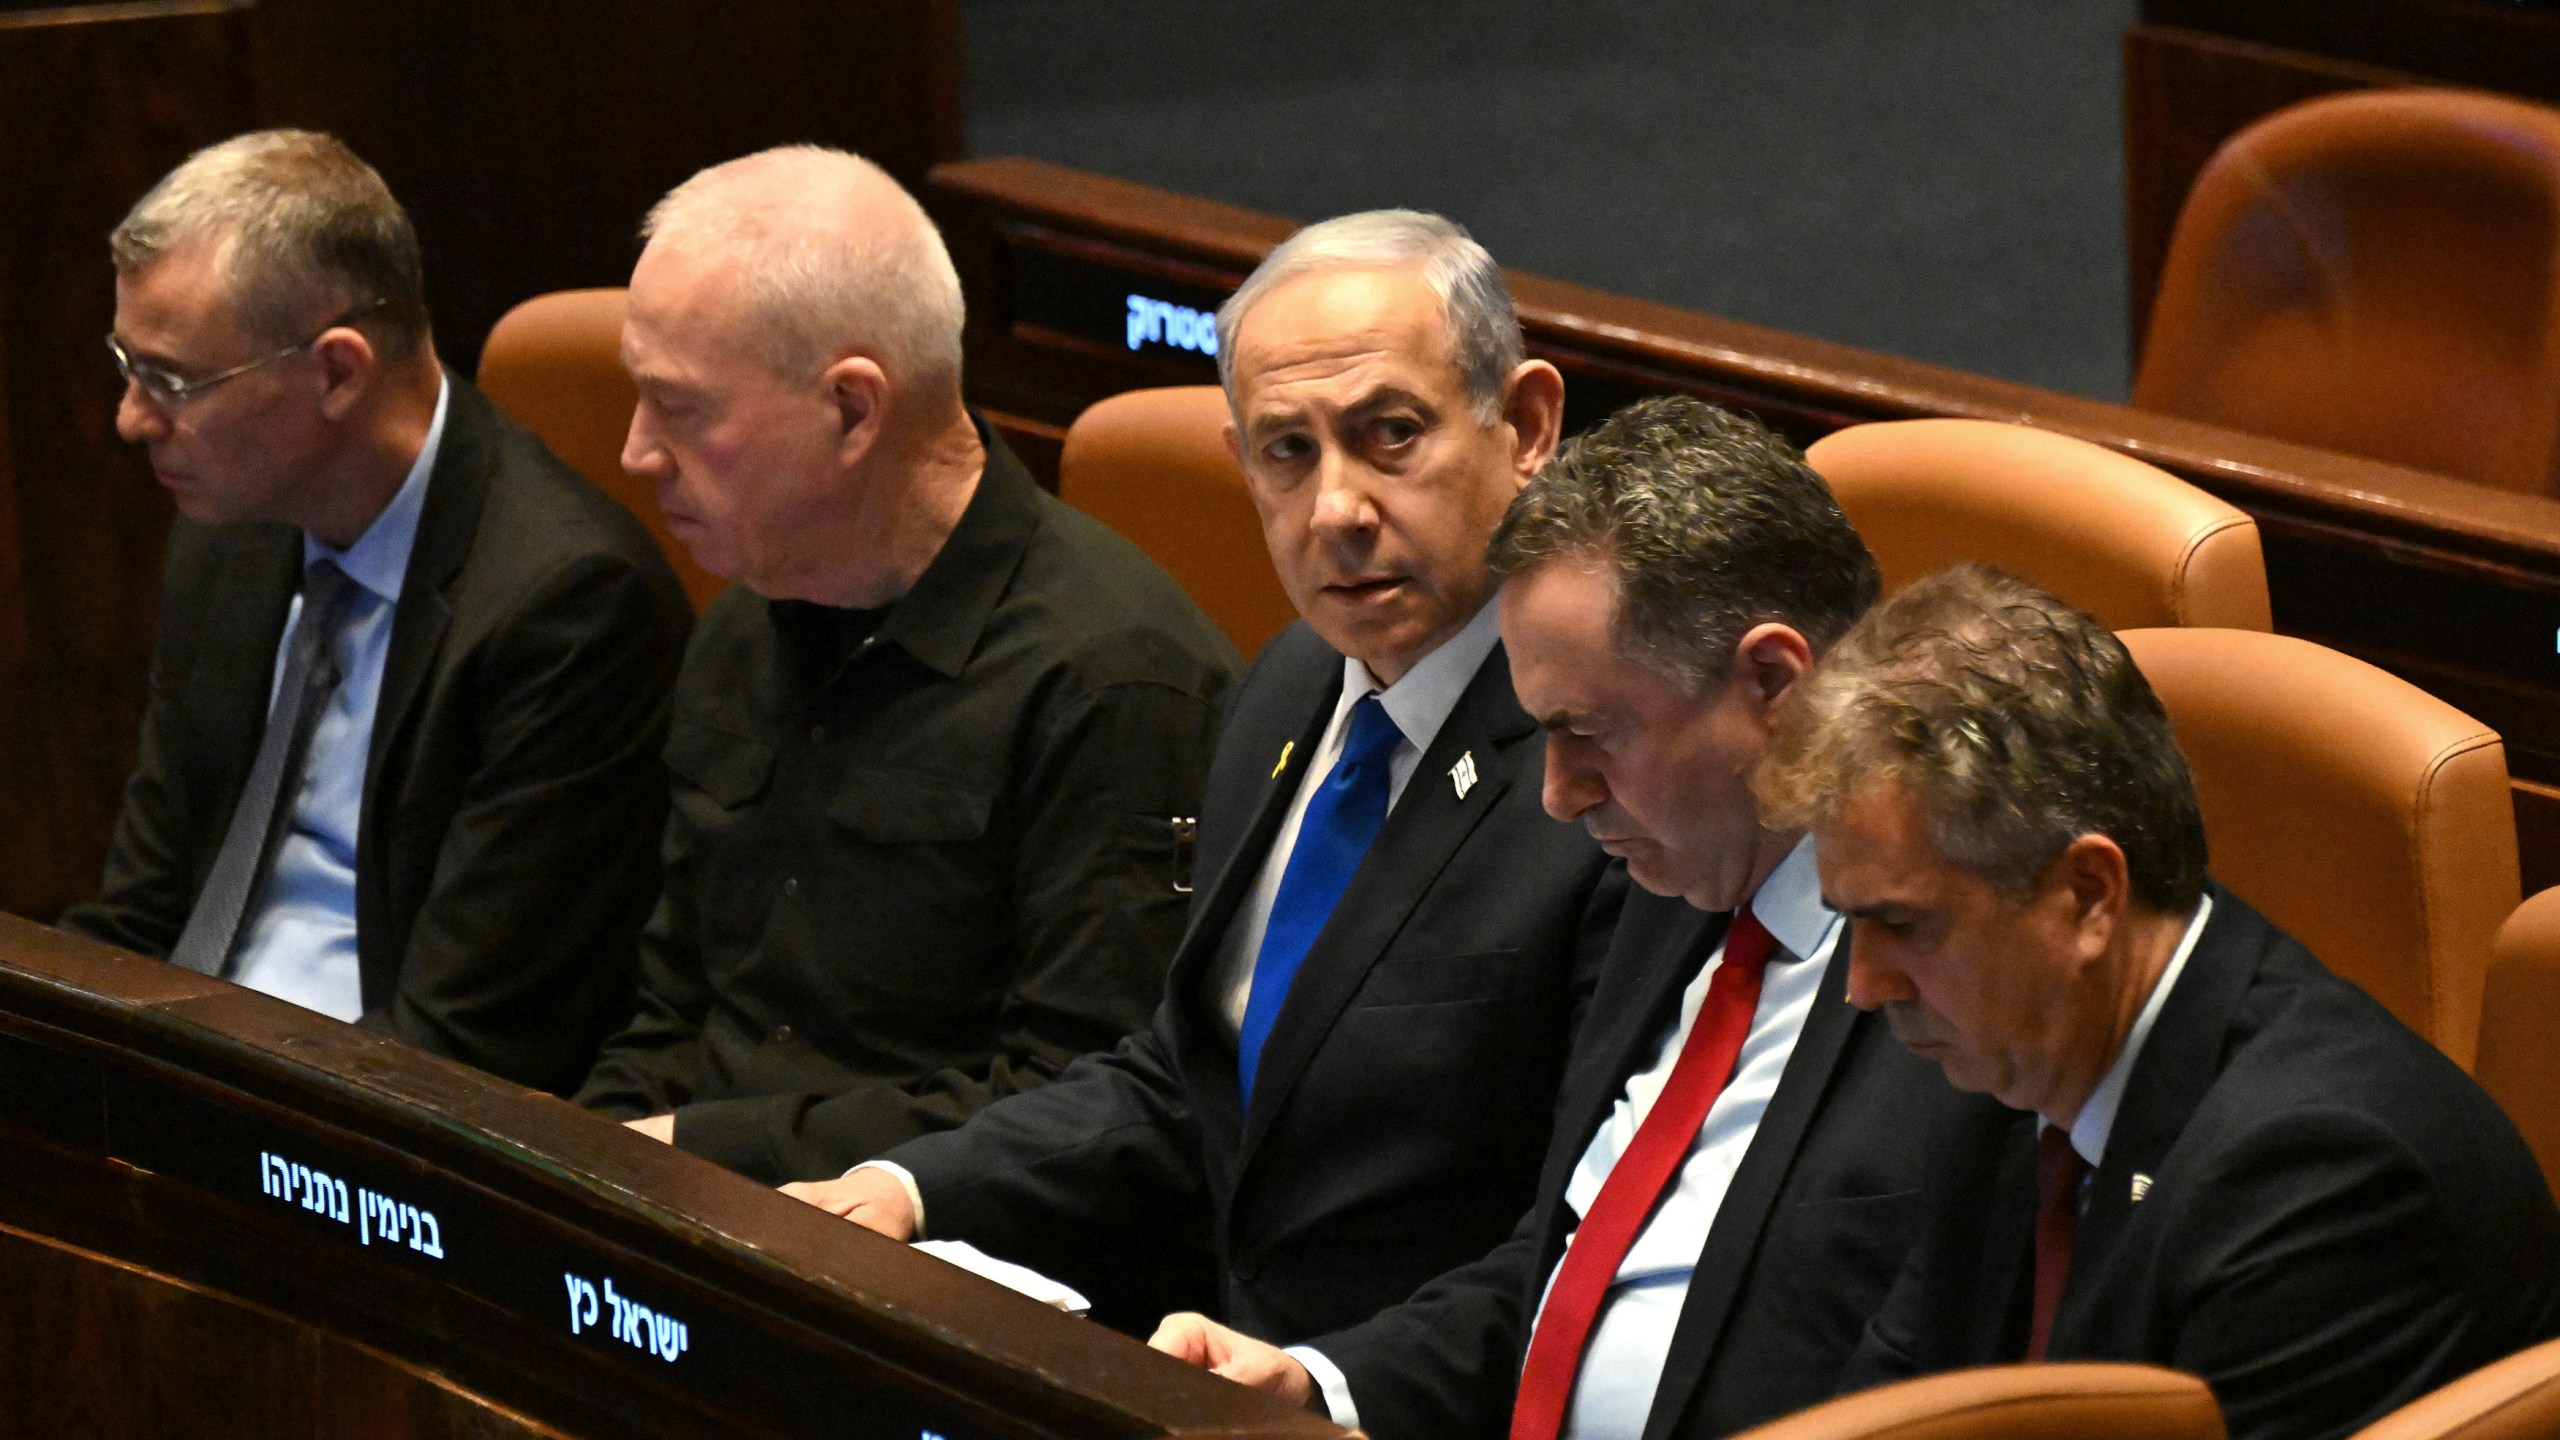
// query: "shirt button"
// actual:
[[791, 886]]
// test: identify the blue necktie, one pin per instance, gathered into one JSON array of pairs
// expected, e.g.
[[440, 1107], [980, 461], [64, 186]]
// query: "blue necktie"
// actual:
[[1341, 819]]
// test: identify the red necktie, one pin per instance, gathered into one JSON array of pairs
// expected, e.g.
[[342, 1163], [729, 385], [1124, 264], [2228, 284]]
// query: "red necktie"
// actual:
[[1627, 1197], [2059, 1169]]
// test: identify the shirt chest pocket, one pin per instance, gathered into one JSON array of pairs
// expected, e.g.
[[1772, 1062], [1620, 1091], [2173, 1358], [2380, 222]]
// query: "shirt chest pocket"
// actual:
[[918, 886], [728, 770]]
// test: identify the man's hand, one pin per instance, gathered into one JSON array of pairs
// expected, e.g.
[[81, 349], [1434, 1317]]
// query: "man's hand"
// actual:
[[661, 1128], [872, 1199], [1238, 1357]]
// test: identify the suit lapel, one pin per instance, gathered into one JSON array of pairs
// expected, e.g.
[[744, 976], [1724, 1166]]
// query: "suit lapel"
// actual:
[[2179, 1062], [236, 674], [448, 522], [1208, 932], [1429, 823], [1734, 1236]]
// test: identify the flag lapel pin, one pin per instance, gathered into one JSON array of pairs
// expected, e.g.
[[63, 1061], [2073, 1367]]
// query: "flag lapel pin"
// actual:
[[1463, 774]]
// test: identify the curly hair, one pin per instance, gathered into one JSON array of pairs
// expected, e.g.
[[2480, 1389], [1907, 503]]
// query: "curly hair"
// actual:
[[2017, 722]]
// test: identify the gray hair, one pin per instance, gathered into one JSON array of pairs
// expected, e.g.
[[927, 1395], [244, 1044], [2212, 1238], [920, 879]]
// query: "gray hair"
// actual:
[[2018, 724], [312, 230], [1475, 301], [1709, 523], [832, 257]]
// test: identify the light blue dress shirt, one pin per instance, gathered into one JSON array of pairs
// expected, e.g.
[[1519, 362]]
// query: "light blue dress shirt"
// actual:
[[298, 941]]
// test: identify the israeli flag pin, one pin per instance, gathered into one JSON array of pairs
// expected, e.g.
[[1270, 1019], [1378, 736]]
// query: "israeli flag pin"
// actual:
[[1463, 774], [2141, 1187]]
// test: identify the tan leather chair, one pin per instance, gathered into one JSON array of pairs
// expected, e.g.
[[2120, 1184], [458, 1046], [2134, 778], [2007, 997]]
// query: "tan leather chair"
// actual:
[[2377, 273], [2127, 542], [555, 364], [2016, 1402], [2516, 1399], [1153, 465], [2520, 1028], [2365, 816]]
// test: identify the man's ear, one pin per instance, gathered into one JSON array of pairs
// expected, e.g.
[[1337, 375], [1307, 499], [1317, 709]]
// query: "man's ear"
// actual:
[[348, 365], [2101, 882], [1533, 406], [859, 390], [1770, 659]]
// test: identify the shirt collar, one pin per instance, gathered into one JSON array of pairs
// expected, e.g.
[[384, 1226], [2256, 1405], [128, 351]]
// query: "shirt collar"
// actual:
[[2097, 1116], [1789, 903], [1420, 702], [380, 555], [939, 620]]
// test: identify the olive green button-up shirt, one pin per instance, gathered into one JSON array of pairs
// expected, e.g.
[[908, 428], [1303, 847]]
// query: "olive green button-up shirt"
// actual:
[[919, 858]]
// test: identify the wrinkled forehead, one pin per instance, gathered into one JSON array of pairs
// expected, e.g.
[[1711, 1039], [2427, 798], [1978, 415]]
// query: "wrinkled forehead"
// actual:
[[687, 310], [184, 299], [1383, 321]]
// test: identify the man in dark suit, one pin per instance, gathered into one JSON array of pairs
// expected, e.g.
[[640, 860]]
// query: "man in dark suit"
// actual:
[[1714, 1225], [1347, 1086], [400, 758], [2207, 1151]]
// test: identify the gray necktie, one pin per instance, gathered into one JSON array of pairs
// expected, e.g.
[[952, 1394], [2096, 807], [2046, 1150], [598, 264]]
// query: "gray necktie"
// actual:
[[310, 676]]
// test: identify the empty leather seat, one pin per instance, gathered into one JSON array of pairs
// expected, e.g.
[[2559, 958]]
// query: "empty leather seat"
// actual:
[[1153, 465], [2520, 1027], [2076, 1401], [2367, 817], [2377, 273], [2127, 542], [555, 364], [2516, 1399]]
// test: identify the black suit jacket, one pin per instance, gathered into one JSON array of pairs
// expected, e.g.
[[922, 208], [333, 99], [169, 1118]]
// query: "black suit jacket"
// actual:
[[2332, 1219], [1404, 1094], [512, 793], [1803, 1248]]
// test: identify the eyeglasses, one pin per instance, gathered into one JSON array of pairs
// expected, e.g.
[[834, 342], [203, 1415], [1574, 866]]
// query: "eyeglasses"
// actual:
[[169, 390]]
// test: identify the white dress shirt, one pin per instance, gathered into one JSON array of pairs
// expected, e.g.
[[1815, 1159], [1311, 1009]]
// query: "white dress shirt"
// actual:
[[2097, 1117], [298, 940], [1419, 703], [1631, 1339]]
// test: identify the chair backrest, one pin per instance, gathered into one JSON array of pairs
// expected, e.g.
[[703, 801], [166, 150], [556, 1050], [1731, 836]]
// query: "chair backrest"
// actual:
[[555, 364], [2519, 1016], [2127, 542], [2516, 1399], [2377, 273], [1153, 465], [2365, 816], [2075, 1401]]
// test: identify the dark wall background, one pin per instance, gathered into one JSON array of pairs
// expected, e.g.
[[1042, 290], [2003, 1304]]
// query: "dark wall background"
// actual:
[[1934, 178]]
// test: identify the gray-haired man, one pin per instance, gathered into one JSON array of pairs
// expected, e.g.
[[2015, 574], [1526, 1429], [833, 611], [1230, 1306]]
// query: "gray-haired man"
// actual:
[[400, 761], [1348, 1085]]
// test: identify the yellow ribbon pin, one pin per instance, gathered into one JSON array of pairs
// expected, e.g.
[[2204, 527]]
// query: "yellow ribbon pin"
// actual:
[[1285, 748]]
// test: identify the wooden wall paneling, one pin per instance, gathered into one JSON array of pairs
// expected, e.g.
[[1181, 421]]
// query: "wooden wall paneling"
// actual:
[[2453, 586], [528, 139], [90, 115], [235, 1146]]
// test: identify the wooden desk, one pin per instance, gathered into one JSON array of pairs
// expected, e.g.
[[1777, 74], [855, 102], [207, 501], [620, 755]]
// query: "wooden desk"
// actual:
[[2451, 585], [223, 1214]]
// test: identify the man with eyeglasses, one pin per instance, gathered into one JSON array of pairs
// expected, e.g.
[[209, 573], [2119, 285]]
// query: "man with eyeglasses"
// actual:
[[399, 763]]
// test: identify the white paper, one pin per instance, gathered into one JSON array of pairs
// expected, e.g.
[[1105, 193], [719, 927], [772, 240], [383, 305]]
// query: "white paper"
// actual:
[[1019, 1278]]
